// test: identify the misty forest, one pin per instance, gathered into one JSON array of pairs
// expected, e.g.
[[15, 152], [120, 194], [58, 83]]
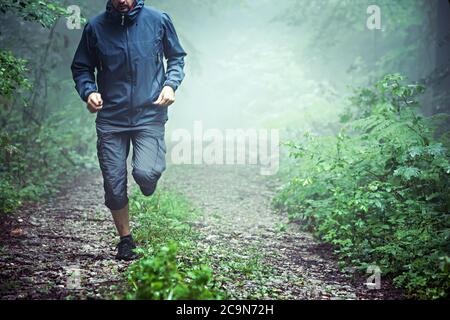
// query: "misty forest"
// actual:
[[354, 203]]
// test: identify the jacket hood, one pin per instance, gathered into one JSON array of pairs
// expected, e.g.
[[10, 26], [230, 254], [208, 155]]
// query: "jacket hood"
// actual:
[[129, 16]]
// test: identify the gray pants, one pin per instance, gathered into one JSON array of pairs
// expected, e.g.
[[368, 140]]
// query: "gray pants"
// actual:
[[148, 161]]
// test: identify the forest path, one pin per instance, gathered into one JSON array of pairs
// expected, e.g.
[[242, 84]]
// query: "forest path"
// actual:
[[62, 248], [45, 245], [238, 220]]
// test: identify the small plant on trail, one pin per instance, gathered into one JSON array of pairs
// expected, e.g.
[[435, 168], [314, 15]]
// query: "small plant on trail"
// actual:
[[163, 277]]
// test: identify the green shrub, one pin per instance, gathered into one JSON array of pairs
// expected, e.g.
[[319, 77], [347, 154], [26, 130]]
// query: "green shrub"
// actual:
[[12, 74], [162, 277], [379, 190], [38, 146], [37, 160]]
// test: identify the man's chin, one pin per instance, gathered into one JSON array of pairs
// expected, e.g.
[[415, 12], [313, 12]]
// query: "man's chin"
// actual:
[[123, 10]]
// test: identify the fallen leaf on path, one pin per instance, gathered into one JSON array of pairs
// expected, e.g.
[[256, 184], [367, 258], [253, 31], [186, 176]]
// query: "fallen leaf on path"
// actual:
[[16, 232]]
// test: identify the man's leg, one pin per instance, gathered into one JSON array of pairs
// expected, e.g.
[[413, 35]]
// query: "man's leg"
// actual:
[[122, 221], [149, 160], [113, 149], [126, 246]]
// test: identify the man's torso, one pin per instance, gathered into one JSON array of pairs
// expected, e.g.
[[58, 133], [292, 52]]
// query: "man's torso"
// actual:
[[130, 69]]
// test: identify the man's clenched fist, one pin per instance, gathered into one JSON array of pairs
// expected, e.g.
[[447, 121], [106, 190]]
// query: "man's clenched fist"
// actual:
[[94, 102], [166, 97]]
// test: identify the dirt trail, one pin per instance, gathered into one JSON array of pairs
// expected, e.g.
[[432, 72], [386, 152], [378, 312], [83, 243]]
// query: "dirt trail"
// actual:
[[238, 218], [44, 246]]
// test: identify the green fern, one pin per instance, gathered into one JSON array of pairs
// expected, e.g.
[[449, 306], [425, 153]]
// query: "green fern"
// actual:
[[379, 190]]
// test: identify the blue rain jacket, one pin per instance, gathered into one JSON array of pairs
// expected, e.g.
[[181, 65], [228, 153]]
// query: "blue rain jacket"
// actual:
[[127, 51]]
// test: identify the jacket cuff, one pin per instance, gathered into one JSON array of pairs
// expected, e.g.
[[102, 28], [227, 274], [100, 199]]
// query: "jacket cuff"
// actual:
[[171, 84], [87, 93]]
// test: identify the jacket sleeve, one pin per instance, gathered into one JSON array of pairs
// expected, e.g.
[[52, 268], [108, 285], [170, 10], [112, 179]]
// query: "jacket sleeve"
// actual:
[[174, 54], [83, 64]]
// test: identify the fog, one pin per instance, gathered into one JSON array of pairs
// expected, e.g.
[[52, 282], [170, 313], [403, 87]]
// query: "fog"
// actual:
[[266, 64]]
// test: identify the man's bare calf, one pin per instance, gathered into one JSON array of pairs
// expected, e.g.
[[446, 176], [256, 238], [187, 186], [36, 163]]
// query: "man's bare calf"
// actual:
[[122, 221]]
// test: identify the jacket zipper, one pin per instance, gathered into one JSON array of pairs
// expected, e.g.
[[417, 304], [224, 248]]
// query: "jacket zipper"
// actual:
[[130, 107]]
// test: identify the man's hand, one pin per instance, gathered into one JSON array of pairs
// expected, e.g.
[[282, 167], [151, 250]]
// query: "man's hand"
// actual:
[[94, 102], [166, 97]]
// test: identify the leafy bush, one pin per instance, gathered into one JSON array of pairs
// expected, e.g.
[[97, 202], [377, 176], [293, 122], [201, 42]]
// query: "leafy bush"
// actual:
[[163, 277], [379, 190], [12, 74], [38, 159], [38, 149], [46, 12]]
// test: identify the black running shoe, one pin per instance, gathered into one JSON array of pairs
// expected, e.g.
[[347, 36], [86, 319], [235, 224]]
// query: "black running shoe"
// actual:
[[125, 249]]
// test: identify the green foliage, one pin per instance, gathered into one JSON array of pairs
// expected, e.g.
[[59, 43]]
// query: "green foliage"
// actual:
[[45, 12], [38, 150], [163, 277], [162, 229], [38, 159], [379, 190], [161, 218], [12, 74]]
